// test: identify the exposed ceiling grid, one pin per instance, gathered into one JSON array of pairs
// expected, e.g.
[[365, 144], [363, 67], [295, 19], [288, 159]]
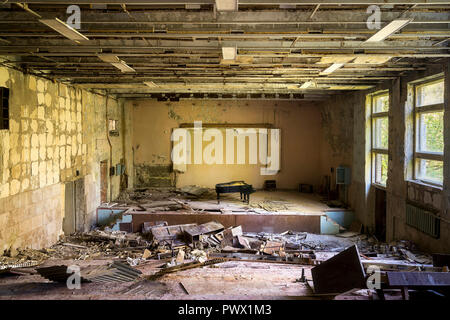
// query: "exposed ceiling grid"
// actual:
[[302, 50]]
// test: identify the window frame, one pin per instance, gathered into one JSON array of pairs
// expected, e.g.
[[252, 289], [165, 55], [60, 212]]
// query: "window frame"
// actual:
[[374, 151], [417, 112], [4, 108]]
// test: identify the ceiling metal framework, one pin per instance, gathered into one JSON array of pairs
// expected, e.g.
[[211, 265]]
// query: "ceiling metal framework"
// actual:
[[177, 46]]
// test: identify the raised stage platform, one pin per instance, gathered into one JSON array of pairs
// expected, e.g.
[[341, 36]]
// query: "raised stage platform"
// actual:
[[303, 213]]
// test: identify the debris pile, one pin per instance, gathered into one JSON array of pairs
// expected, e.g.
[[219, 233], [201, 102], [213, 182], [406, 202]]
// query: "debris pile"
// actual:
[[337, 264]]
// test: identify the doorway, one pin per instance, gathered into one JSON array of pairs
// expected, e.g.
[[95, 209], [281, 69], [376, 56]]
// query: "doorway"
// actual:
[[74, 207], [380, 214], [104, 181]]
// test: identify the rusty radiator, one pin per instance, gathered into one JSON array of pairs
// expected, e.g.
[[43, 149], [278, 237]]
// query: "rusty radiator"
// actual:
[[423, 220]]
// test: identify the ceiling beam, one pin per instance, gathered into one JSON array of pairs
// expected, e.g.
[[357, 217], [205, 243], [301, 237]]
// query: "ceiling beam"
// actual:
[[241, 2], [205, 18]]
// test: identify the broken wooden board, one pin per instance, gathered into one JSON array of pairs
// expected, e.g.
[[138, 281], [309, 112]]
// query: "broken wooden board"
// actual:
[[340, 273], [147, 226], [272, 247], [229, 234], [242, 242], [193, 232], [238, 256], [418, 280], [386, 264], [170, 232], [347, 234]]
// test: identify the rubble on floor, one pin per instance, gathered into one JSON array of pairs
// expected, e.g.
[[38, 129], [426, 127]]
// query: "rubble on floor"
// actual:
[[165, 249], [114, 252]]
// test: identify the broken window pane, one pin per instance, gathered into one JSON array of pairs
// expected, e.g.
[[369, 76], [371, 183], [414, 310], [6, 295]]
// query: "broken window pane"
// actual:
[[430, 93], [381, 133], [430, 170], [380, 167], [381, 103], [431, 135]]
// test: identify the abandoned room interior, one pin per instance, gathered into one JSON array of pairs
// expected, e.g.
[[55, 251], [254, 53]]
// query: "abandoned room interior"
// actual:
[[224, 149]]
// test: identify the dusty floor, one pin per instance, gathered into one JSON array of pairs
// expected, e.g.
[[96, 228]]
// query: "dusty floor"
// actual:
[[228, 280], [224, 280], [283, 201], [277, 201]]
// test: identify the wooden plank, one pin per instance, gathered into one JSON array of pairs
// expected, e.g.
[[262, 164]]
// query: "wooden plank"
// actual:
[[169, 232], [340, 273], [418, 279]]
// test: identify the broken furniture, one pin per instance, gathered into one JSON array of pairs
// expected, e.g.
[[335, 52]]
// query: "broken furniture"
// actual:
[[416, 281], [235, 186], [340, 273], [194, 232], [173, 235]]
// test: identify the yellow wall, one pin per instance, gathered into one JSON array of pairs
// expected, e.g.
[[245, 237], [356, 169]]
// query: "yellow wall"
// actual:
[[55, 131], [299, 122]]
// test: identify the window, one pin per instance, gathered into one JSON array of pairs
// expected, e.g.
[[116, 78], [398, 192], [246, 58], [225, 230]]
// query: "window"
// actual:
[[379, 107], [429, 131], [4, 108], [113, 129]]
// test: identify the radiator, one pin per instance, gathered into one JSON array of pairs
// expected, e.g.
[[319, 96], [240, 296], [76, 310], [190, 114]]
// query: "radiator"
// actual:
[[423, 220]]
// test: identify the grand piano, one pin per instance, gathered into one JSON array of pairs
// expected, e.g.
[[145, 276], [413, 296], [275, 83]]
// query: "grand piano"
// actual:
[[235, 186]]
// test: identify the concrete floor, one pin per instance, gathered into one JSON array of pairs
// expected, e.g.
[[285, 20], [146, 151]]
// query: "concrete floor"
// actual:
[[227, 280], [294, 201]]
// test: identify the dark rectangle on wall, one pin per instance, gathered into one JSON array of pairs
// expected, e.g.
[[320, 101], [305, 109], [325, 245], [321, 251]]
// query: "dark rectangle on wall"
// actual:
[[154, 176]]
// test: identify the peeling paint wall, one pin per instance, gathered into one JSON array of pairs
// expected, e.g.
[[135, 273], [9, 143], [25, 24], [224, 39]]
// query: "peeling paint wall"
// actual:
[[57, 134], [400, 186], [341, 129], [337, 129], [299, 122]]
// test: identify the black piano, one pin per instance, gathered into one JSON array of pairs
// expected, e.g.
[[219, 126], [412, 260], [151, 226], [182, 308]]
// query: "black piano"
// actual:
[[235, 186]]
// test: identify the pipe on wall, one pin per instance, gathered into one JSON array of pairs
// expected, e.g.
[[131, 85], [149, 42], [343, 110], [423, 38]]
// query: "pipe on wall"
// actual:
[[110, 146]]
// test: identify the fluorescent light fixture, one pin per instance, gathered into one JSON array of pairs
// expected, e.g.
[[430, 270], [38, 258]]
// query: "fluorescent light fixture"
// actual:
[[116, 62], [64, 29], [194, 6], [288, 6], [332, 68], [122, 66], [391, 28], [227, 5], [110, 58], [306, 85], [151, 84], [229, 53]]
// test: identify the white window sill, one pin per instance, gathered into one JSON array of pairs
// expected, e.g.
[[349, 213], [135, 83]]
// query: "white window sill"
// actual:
[[379, 186], [426, 184]]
